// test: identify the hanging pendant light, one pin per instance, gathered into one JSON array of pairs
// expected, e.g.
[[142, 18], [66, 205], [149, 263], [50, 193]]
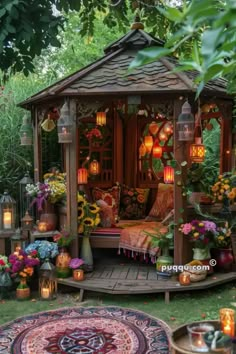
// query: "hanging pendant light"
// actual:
[[26, 132], [197, 151], [82, 176], [153, 128], [64, 125], [101, 118], [94, 168], [157, 150], [148, 142], [168, 174], [163, 137]]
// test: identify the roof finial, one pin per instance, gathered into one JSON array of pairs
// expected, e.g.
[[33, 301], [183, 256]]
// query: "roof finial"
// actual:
[[137, 24]]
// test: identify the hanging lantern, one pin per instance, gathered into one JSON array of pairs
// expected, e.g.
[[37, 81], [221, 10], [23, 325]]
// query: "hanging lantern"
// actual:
[[94, 167], [7, 212], [64, 126], [157, 150], [168, 174], [82, 176], [26, 132], [185, 123], [153, 128], [101, 118], [17, 242], [197, 151], [25, 199], [47, 281], [163, 137], [27, 222], [167, 128], [148, 142], [142, 150]]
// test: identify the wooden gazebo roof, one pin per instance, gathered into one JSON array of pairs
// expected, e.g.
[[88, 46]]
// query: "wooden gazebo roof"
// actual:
[[109, 74]]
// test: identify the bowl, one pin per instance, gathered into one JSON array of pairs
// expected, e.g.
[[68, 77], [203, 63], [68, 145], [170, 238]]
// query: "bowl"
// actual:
[[221, 341]]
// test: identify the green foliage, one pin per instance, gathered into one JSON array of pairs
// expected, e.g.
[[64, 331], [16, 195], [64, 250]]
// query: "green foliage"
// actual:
[[162, 237], [210, 27]]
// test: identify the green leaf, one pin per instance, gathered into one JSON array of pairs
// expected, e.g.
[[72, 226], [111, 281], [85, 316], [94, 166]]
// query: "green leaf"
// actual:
[[173, 163], [171, 13], [178, 173], [180, 221], [2, 12], [181, 210], [148, 55], [184, 163]]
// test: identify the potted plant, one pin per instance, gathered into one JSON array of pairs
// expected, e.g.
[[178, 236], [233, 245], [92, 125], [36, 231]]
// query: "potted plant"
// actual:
[[163, 238], [222, 252], [63, 240], [76, 264], [5, 278]]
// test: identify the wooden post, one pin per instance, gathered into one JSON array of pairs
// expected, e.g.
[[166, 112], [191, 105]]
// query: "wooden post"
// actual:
[[226, 136], [118, 149], [37, 146], [181, 247], [71, 170]]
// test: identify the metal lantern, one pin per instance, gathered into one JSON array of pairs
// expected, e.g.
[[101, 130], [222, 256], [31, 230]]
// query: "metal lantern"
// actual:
[[82, 175], [197, 151], [64, 126], [17, 242], [7, 212], [25, 199], [148, 142], [101, 118], [185, 124], [26, 131], [47, 281], [94, 167], [156, 150], [153, 128], [27, 222], [169, 174]]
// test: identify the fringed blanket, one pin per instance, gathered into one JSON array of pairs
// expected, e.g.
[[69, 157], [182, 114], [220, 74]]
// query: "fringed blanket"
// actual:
[[135, 242]]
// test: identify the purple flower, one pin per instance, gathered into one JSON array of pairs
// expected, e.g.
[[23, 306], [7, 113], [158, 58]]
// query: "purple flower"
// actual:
[[76, 263], [210, 226]]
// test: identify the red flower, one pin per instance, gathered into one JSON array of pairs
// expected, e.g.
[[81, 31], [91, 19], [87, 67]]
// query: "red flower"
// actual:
[[2, 263]]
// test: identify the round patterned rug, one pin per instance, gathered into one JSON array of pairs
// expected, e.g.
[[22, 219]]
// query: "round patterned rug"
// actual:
[[86, 330]]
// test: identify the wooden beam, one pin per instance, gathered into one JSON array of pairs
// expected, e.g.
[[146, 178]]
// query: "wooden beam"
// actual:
[[226, 136], [118, 149], [182, 248], [37, 146], [72, 167]]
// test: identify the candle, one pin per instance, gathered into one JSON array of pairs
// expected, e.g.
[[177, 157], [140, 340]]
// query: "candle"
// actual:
[[196, 336], [64, 130], [78, 274], [17, 250], [45, 293], [227, 321], [7, 219], [184, 279], [42, 226]]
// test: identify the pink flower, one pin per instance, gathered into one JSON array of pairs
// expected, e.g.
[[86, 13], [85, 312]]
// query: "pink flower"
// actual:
[[187, 228]]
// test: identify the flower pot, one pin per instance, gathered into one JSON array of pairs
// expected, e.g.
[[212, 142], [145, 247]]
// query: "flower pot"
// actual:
[[224, 259], [23, 290], [62, 263], [163, 261], [5, 284], [86, 254], [203, 255]]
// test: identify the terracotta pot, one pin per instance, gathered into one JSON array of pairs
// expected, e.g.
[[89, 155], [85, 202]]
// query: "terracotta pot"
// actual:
[[224, 259], [23, 290], [78, 274]]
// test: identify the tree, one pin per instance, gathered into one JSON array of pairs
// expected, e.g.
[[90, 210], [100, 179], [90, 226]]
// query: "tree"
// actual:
[[29, 26], [211, 26]]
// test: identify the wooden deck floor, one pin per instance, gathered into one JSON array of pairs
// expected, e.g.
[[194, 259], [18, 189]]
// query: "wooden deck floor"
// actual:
[[138, 279]]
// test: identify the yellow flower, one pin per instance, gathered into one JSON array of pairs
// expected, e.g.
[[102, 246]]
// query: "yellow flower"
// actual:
[[220, 177], [97, 221], [80, 213], [88, 222], [93, 208], [215, 188], [231, 195], [220, 197], [201, 224], [196, 234], [81, 228], [222, 191], [226, 187]]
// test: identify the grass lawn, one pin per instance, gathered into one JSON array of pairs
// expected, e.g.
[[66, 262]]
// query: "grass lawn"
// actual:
[[184, 307]]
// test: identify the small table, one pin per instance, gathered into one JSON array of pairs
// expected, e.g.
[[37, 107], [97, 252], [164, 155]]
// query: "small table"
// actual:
[[37, 234], [180, 341]]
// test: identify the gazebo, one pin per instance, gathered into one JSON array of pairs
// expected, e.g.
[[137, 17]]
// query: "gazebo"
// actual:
[[131, 101]]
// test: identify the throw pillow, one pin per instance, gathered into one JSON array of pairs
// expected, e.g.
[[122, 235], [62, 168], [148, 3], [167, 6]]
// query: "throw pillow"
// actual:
[[163, 204], [133, 202], [106, 213], [111, 196]]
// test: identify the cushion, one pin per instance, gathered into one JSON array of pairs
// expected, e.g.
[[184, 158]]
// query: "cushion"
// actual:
[[133, 202], [106, 214], [163, 204], [110, 196]]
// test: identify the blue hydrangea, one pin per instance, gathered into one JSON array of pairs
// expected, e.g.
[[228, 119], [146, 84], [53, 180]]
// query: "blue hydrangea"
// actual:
[[45, 249]]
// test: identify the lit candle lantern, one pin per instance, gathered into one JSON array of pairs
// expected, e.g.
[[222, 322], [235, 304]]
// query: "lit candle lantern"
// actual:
[[227, 321], [184, 279], [64, 130], [142, 150], [163, 137], [82, 176], [196, 336], [94, 167], [101, 118], [7, 219], [42, 226], [148, 142], [157, 150], [197, 151], [45, 293], [168, 174], [78, 274]]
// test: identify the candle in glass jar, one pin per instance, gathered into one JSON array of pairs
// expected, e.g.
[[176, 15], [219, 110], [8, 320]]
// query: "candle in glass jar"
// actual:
[[196, 336], [227, 321], [184, 279], [45, 293], [42, 226], [7, 219]]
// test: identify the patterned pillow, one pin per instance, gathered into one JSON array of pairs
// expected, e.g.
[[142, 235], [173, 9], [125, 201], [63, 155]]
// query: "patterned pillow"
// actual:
[[163, 204], [133, 202], [110, 196]]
